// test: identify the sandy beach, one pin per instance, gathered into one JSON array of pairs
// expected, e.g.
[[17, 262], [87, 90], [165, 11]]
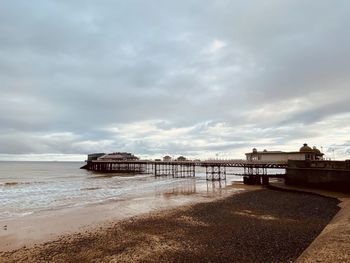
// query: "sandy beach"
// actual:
[[41, 201], [254, 226], [49, 225]]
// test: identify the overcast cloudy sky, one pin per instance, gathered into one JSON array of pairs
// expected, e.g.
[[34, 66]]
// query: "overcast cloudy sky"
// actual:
[[197, 78]]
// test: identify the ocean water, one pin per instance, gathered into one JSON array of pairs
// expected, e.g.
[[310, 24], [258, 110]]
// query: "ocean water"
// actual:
[[31, 187]]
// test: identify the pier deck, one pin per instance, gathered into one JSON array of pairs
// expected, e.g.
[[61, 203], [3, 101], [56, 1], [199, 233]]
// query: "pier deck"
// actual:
[[254, 171]]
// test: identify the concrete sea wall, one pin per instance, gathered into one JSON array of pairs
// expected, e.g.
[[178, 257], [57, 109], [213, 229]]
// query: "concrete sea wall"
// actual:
[[328, 174]]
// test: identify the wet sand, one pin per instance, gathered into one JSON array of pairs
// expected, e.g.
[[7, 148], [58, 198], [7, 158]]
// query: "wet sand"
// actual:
[[49, 225], [254, 226]]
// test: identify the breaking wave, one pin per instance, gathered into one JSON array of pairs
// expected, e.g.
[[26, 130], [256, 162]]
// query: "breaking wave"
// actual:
[[13, 184]]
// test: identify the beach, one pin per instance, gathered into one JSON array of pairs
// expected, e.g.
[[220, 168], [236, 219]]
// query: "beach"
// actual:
[[261, 225], [39, 201]]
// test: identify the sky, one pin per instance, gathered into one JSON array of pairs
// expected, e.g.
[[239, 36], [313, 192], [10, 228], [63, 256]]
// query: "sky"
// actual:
[[203, 79]]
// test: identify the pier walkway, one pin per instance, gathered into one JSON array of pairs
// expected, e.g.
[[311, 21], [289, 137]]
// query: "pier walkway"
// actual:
[[254, 171]]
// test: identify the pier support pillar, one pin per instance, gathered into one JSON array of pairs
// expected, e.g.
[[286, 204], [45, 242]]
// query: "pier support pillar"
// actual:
[[215, 172]]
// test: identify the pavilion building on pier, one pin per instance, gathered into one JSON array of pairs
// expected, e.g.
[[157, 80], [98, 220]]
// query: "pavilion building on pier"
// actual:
[[305, 153], [118, 156]]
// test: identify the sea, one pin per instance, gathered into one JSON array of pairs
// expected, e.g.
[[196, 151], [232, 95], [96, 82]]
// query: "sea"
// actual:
[[32, 187]]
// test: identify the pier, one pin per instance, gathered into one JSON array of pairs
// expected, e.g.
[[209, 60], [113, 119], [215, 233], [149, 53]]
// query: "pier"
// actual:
[[254, 172]]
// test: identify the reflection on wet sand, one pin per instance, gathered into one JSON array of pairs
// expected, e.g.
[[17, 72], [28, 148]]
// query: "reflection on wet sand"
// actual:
[[217, 187], [188, 187]]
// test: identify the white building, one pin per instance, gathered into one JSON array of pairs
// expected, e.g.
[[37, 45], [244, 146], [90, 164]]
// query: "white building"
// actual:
[[305, 153], [167, 158], [118, 156]]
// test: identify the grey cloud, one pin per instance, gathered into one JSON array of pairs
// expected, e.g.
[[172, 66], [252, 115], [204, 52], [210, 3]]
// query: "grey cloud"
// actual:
[[316, 112], [269, 71]]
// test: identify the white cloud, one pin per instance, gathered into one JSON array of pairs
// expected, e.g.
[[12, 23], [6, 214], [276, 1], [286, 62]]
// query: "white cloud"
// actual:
[[216, 45]]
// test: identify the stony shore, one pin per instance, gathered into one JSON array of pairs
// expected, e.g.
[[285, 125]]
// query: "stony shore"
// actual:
[[333, 243], [255, 226]]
